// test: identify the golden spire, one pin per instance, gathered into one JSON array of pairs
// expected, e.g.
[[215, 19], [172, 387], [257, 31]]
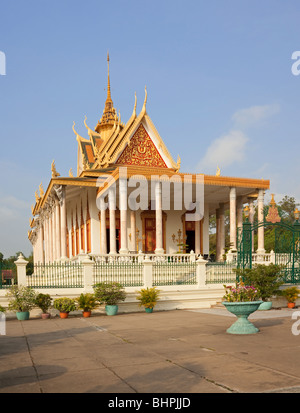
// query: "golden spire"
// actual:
[[107, 120], [108, 80]]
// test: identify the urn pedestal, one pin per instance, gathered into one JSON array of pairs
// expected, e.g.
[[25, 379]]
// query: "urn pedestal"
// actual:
[[242, 310]]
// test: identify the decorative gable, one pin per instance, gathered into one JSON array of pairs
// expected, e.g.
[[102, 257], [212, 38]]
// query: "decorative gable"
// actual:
[[141, 151]]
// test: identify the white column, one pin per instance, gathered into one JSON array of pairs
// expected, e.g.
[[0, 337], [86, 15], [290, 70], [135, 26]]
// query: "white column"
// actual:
[[158, 216], [103, 226], [251, 218], [50, 238], [53, 218], [197, 237], [232, 201], [123, 215], [57, 230], [40, 244], [112, 221], [261, 230], [133, 230], [240, 212], [217, 234], [46, 240], [222, 231], [63, 224]]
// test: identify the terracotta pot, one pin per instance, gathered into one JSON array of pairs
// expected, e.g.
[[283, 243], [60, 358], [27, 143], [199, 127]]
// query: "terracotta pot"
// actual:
[[45, 316], [63, 315], [291, 305], [86, 314]]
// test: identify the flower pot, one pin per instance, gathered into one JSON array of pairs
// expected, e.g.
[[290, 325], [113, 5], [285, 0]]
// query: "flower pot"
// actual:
[[265, 305], [45, 316], [22, 315], [242, 310], [149, 310], [291, 305], [63, 315], [111, 309], [86, 314]]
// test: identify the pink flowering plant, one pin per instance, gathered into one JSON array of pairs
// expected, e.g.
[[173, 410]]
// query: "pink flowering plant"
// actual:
[[240, 292]]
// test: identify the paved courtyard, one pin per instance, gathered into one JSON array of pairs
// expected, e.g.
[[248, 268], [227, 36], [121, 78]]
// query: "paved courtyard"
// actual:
[[180, 351]]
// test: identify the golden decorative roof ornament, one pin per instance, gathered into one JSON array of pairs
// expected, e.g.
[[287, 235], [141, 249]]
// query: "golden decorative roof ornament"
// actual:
[[37, 198], [218, 173], [109, 113], [178, 163], [41, 189], [55, 174], [85, 162], [71, 173], [273, 215]]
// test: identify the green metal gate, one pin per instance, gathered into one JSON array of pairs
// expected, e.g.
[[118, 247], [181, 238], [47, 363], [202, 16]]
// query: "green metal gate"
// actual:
[[286, 247]]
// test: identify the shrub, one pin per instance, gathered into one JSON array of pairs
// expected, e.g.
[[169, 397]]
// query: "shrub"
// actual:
[[291, 294], [64, 304], [43, 301], [86, 302], [148, 297], [266, 278], [21, 298], [109, 293]]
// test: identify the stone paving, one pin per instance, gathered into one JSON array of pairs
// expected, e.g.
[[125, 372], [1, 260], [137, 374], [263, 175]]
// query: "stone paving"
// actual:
[[180, 351]]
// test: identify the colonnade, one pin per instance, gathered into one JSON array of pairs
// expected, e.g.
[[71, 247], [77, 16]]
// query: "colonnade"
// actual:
[[50, 237], [236, 221]]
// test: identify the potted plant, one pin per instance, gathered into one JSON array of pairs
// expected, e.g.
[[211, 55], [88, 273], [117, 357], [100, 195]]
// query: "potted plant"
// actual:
[[44, 301], [110, 294], [21, 300], [241, 300], [266, 278], [64, 305], [148, 298], [291, 294], [86, 302]]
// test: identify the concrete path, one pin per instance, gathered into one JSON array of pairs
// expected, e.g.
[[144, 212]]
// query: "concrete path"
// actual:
[[180, 351]]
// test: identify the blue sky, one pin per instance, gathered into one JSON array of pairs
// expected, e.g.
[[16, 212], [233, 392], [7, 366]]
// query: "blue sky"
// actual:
[[218, 75]]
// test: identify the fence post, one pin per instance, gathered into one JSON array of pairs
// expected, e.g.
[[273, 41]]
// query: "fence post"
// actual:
[[21, 264], [272, 257], [201, 272], [147, 272], [87, 265], [192, 256]]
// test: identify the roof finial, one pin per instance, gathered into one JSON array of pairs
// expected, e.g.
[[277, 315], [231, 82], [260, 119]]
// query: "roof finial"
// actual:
[[134, 109], [145, 101], [108, 79]]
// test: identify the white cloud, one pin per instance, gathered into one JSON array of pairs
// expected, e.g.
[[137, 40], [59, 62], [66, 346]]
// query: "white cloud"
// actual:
[[251, 116], [224, 151], [231, 148]]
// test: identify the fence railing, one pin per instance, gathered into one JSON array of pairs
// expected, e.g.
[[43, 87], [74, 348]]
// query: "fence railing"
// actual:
[[167, 271], [220, 272], [56, 275], [174, 273], [140, 257], [129, 274]]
